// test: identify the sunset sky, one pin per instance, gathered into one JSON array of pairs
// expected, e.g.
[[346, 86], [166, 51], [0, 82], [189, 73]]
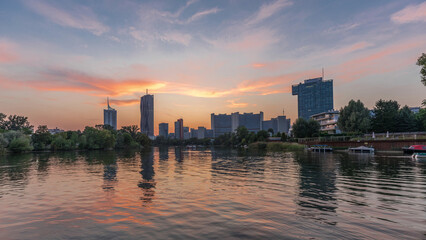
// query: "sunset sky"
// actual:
[[59, 60]]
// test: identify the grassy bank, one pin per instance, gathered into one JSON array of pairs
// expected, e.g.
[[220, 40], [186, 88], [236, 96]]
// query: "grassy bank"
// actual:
[[276, 146]]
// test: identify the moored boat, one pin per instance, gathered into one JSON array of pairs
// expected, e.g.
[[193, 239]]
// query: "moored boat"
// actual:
[[361, 149], [414, 149], [419, 156], [320, 148]]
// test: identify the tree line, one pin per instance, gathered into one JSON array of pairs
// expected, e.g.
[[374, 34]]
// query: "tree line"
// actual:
[[16, 135], [386, 116]]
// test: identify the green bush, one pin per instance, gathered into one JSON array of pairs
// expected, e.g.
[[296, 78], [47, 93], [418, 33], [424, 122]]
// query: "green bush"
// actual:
[[20, 144]]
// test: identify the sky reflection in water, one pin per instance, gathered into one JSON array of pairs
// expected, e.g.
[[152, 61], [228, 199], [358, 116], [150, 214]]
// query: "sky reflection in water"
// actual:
[[176, 193]]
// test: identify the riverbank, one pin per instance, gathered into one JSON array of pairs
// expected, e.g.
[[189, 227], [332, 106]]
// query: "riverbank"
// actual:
[[276, 146], [380, 145]]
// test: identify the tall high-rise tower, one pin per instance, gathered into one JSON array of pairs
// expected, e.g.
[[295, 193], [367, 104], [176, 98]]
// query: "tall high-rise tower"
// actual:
[[147, 114], [179, 132], [314, 96], [110, 116]]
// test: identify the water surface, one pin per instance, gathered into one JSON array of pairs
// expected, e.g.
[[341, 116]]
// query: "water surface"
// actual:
[[172, 193]]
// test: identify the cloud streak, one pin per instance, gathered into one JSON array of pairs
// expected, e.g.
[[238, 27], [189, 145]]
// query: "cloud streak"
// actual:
[[201, 14], [410, 14], [79, 17], [235, 104], [268, 10]]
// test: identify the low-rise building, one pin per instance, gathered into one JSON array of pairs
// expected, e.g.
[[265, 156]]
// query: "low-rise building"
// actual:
[[328, 121], [55, 130]]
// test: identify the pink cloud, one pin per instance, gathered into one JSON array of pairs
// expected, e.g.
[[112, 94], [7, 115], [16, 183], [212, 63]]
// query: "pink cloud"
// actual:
[[411, 13], [351, 48], [254, 40], [201, 14], [275, 84], [272, 65], [80, 17], [268, 10], [384, 60], [7, 52]]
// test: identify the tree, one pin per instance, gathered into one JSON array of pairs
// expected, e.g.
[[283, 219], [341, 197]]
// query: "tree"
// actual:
[[132, 130], [16, 123], [421, 61], [300, 128], [20, 144], [354, 118], [262, 135], [41, 138], [241, 135], [303, 128], [313, 128], [2, 121], [421, 119], [385, 116], [407, 121], [143, 139]]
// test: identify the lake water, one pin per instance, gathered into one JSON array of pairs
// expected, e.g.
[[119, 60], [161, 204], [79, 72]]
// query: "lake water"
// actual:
[[173, 193]]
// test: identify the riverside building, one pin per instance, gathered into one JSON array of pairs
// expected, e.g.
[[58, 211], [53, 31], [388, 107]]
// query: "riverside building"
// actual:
[[224, 123], [280, 124], [328, 121], [313, 96], [163, 130]]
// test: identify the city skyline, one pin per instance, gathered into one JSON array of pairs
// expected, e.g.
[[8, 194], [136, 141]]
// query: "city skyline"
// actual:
[[200, 57]]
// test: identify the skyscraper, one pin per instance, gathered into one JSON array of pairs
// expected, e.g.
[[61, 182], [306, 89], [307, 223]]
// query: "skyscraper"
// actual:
[[110, 116], [163, 129], [179, 129], [147, 114], [314, 96]]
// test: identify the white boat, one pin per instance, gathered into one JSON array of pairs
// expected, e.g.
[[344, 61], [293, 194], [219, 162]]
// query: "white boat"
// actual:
[[419, 156], [361, 149]]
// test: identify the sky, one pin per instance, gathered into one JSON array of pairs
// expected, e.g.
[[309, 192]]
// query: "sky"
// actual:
[[60, 60]]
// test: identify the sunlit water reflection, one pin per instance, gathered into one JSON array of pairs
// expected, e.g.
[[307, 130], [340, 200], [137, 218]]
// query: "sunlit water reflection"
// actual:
[[173, 193]]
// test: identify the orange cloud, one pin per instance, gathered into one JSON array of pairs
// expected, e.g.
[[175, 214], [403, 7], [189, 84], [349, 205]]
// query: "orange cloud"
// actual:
[[273, 65], [258, 65], [124, 102], [273, 85], [65, 80], [234, 104]]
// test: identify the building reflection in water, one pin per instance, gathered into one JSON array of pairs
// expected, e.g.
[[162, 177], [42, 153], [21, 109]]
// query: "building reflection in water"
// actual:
[[164, 153], [147, 184], [317, 186], [109, 161], [179, 154], [43, 165]]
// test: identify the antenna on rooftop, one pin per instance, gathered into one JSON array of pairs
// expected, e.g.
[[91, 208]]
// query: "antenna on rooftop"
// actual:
[[147, 91], [283, 111], [322, 73], [108, 102]]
